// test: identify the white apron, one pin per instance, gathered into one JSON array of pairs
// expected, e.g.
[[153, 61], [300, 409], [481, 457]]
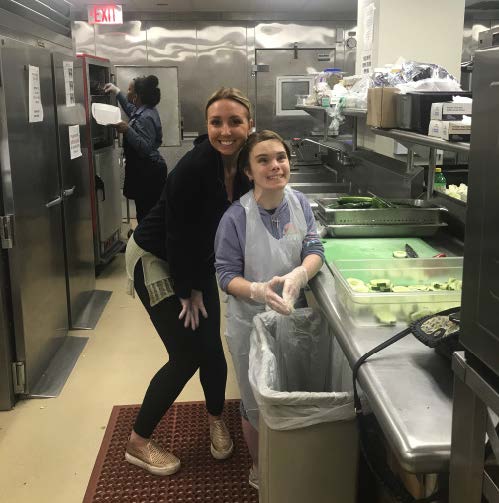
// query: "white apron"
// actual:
[[264, 258]]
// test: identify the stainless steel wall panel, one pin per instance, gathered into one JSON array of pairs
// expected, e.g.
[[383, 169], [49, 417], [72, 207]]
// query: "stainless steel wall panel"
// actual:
[[305, 33], [222, 61], [168, 107], [83, 37], [174, 44], [122, 44], [350, 55]]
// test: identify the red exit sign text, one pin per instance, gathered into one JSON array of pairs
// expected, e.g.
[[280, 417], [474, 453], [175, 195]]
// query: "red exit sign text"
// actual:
[[105, 14]]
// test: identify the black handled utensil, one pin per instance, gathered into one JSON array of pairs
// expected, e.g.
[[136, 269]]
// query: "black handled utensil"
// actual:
[[410, 251]]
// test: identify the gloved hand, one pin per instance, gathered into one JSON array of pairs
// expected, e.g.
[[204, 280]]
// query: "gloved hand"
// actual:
[[293, 283], [111, 88], [265, 294], [191, 308]]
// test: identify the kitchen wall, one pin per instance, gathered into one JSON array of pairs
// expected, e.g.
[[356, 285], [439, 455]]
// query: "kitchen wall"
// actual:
[[208, 53]]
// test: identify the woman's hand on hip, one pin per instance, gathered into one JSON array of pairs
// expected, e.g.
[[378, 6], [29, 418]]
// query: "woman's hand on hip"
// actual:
[[191, 308]]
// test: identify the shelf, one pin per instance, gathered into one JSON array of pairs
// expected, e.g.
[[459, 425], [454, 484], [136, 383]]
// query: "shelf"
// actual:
[[319, 113], [421, 139]]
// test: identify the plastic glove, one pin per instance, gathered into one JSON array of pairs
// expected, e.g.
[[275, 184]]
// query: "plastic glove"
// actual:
[[111, 88], [265, 294], [191, 308], [293, 283]]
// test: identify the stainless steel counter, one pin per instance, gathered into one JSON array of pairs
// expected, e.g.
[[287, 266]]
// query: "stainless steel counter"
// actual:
[[409, 386]]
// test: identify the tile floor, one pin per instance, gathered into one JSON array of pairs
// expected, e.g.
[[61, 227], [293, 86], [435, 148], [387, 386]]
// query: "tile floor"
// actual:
[[48, 447]]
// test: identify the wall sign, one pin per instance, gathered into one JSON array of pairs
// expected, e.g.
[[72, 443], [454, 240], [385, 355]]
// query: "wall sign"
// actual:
[[105, 14]]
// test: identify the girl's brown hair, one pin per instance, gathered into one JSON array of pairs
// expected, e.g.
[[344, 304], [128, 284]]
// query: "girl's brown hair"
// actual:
[[243, 162], [229, 93]]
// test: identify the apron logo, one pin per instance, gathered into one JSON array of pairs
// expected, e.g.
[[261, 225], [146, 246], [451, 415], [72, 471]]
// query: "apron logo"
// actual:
[[290, 230]]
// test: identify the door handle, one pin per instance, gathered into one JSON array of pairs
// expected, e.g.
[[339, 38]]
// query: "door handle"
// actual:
[[99, 185], [69, 192], [55, 202]]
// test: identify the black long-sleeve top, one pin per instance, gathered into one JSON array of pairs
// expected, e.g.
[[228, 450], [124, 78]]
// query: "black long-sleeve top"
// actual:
[[181, 227]]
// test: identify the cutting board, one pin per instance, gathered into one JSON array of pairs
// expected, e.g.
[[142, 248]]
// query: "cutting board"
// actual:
[[361, 248]]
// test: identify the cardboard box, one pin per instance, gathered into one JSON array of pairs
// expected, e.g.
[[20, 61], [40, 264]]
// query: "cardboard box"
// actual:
[[450, 111], [381, 107], [450, 130]]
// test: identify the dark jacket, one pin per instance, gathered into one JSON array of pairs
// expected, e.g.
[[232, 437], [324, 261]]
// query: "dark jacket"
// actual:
[[145, 169], [181, 227]]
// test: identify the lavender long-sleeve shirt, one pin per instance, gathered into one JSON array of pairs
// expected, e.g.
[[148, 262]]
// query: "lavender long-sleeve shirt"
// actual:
[[230, 240]]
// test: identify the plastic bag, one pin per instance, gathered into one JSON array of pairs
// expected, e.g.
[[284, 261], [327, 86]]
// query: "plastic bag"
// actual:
[[290, 371]]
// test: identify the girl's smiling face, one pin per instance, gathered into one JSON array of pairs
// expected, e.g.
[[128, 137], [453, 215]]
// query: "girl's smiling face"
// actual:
[[269, 165]]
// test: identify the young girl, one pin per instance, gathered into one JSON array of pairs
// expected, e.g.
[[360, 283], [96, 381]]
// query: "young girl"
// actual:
[[266, 243]]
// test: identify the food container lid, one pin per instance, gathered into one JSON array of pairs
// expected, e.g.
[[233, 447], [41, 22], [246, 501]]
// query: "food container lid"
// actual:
[[105, 114]]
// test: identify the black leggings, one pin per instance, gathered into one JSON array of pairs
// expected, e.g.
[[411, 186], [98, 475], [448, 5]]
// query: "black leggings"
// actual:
[[188, 351]]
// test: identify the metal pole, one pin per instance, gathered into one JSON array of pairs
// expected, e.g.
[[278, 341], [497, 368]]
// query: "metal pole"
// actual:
[[354, 134], [410, 160], [325, 124], [432, 163]]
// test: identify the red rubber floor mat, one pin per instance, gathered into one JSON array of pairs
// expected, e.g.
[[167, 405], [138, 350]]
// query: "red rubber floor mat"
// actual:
[[184, 430]]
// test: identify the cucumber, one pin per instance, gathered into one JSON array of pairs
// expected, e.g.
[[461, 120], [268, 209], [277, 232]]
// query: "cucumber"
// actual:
[[357, 285], [400, 289], [385, 317], [399, 254]]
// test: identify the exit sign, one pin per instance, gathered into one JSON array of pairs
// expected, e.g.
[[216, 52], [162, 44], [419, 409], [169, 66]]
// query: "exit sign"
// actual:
[[105, 14]]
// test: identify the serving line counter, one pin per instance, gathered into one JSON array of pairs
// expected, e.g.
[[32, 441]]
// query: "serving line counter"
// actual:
[[408, 385]]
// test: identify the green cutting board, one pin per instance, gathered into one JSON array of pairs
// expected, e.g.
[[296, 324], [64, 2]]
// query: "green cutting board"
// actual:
[[361, 248]]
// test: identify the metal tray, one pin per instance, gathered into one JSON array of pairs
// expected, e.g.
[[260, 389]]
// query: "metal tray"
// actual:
[[408, 212], [382, 230]]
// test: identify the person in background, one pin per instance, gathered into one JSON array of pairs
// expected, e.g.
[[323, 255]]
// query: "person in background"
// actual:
[[266, 243], [145, 169], [170, 263]]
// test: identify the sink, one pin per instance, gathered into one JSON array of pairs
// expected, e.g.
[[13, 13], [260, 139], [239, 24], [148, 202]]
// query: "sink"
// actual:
[[320, 176], [318, 187]]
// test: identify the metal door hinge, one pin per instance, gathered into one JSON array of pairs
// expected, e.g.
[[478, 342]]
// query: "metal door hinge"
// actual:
[[7, 231], [19, 377]]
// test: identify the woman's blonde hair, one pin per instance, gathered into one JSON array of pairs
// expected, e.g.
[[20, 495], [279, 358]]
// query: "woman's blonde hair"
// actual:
[[229, 93]]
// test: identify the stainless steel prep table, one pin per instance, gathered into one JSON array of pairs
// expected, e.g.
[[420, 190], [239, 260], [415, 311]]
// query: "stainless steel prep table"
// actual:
[[409, 386]]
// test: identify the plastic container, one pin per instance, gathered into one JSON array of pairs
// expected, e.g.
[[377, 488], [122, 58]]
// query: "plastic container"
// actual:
[[364, 309], [308, 448], [440, 183], [333, 76]]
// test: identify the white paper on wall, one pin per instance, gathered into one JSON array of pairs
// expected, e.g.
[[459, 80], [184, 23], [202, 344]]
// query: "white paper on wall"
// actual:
[[368, 35], [69, 84], [34, 95], [74, 141]]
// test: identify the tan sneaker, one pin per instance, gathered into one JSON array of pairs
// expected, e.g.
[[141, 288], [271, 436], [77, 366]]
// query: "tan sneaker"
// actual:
[[153, 458], [221, 443]]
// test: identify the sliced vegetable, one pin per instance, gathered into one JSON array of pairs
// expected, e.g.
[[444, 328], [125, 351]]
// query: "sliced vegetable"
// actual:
[[399, 254], [400, 289], [358, 285], [385, 317]]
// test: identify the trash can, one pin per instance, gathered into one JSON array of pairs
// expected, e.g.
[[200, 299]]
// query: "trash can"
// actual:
[[307, 433]]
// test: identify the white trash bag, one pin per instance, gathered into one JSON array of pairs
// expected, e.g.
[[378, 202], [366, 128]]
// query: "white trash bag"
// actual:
[[290, 371]]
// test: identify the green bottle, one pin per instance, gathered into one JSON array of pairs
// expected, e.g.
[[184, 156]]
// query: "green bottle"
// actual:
[[440, 183]]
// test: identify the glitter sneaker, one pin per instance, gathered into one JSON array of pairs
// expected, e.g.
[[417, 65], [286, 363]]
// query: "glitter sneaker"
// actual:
[[221, 443], [153, 458]]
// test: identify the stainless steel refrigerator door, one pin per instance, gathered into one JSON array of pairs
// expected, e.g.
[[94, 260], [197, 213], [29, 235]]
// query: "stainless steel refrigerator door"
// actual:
[[108, 197], [31, 192], [283, 62], [75, 177], [7, 398], [480, 318]]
